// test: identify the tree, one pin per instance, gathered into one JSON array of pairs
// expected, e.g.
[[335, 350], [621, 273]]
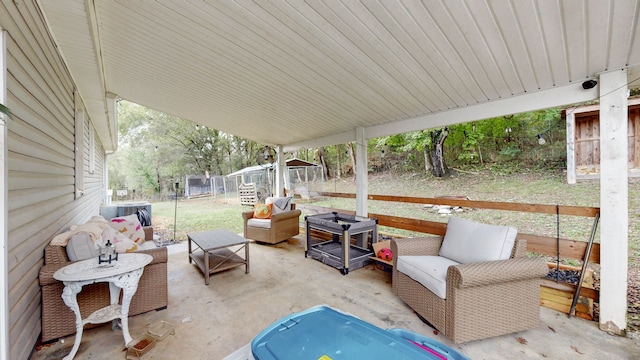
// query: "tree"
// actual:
[[321, 158], [421, 141], [338, 173], [407, 152], [467, 139], [438, 136], [352, 156], [156, 150]]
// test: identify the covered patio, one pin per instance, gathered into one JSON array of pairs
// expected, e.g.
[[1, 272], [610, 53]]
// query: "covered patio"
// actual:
[[211, 322], [290, 75]]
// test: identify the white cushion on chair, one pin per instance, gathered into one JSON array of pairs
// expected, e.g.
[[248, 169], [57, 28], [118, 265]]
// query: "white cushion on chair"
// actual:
[[430, 271], [468, 241], [259, 223]]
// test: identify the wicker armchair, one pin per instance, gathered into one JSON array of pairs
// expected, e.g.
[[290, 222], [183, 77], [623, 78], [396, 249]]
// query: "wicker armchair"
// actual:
[[281, 226], [59, 321], [483, 299]]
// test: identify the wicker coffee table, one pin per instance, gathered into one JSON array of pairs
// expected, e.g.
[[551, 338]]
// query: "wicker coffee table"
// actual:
[[217, 250]]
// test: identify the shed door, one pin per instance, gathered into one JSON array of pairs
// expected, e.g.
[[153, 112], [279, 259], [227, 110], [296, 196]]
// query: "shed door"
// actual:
[[588, 141]]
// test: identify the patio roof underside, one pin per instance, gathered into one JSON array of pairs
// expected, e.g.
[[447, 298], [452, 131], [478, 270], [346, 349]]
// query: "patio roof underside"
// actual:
[[305, 74]]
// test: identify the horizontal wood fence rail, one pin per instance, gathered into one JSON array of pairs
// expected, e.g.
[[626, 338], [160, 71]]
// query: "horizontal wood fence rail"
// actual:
[[545, 245], [453, 201]]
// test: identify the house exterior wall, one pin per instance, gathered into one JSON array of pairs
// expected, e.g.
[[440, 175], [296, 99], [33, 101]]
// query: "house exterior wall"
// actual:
[[42, 197]]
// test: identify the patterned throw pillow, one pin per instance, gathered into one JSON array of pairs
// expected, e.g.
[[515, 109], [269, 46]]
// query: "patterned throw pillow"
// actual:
[[262, 211], [130, 227], [122, 243]]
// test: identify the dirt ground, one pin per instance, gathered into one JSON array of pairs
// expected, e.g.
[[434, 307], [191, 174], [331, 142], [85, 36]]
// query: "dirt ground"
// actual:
[[633, 301]]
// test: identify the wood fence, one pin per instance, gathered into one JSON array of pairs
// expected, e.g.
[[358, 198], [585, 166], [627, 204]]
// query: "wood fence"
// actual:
[[546, 245]]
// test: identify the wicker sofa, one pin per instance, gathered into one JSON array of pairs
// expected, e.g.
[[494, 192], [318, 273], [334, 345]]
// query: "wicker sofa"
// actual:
[[59, 321], [281, 226], [475, 300]]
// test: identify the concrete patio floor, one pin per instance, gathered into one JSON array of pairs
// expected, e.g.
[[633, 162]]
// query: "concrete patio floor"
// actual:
[[213, 321]]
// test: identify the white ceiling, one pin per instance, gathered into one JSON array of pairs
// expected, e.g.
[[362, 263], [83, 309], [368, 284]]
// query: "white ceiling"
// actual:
[[308, 73]]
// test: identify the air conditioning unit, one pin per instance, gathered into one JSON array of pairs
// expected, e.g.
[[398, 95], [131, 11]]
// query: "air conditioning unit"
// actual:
[[118, 210]]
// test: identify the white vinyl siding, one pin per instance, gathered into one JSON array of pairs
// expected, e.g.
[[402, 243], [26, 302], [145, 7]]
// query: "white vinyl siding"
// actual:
[[78, 151], [4, 283], [41, 165]]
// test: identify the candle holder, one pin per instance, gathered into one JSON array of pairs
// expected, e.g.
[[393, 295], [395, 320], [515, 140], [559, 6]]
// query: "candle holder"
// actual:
[[107, 253]]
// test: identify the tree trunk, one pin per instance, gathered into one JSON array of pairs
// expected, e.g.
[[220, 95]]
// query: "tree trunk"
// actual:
[[477, 137], [427, 160], [338, 163], [352, 155], [158, 188], [437, 152], [323, 161]]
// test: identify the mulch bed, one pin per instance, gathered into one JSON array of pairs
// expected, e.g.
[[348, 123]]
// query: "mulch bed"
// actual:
[[566, 276]]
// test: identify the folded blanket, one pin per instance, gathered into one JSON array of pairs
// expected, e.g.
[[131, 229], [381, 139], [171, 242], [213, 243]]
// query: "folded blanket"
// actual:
[[283, 202], [94, 229]]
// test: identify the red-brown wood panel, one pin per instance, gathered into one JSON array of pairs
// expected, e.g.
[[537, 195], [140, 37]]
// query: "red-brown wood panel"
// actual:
[[587, 142]]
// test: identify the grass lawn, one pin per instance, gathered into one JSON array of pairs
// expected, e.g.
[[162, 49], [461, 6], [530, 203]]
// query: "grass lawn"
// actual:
[[535, 187], [196, 215]]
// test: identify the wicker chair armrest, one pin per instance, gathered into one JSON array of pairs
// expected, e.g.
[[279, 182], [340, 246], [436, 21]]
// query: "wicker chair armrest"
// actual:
[[492, 272], [285, 215], [148, 232], [54, 254], [160, 255], [45, 276], [246, 215], [418, 246]]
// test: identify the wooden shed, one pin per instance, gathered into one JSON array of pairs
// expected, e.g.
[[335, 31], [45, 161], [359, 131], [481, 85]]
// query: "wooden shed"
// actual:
[[583, 141]]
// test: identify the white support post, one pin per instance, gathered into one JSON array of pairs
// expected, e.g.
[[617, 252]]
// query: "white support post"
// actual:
[[362, 180], [571, 146], [280, 170], [614, 201], [4, 209]]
